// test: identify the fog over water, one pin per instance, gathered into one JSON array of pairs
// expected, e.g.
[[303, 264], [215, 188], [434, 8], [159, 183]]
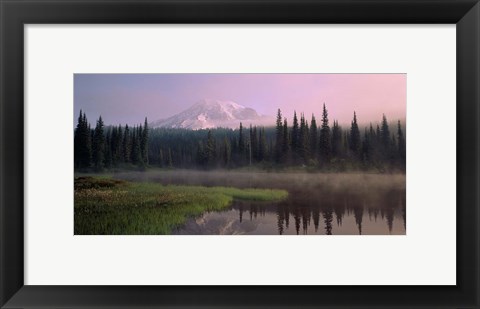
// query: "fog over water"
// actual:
[[318, 203]]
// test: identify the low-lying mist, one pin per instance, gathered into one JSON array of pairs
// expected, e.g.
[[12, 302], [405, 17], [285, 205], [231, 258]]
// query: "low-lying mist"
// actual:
[[309, 187], [281, 180]]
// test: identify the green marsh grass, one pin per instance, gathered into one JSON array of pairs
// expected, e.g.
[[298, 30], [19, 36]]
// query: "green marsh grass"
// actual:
[[105, 206]]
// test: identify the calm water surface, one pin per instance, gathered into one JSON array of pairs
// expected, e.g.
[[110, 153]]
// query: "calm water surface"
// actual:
[[318, 204]]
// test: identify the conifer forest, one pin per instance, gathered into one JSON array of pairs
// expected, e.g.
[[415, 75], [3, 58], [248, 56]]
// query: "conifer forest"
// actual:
[[296, 143]]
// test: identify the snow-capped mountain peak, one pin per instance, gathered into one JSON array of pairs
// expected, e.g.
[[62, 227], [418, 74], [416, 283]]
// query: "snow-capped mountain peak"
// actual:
[[209, 113]]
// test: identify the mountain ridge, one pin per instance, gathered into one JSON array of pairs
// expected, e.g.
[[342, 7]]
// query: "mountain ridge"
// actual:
[[210, 113]]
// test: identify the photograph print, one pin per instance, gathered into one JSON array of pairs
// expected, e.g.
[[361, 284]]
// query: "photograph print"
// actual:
[[239, 154]]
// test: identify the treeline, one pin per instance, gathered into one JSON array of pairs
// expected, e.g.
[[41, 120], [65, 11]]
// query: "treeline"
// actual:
[[334, 147], [107, 147], [302, 144]]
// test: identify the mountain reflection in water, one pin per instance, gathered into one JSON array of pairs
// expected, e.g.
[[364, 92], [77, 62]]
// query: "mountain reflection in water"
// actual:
[[318, 204], [342, 217]]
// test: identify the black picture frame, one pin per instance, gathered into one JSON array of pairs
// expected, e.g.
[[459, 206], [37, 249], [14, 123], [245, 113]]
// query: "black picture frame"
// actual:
[[16, 13]]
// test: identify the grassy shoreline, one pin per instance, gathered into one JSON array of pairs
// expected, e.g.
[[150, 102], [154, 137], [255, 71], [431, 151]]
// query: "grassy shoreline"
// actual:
[[106, 206]]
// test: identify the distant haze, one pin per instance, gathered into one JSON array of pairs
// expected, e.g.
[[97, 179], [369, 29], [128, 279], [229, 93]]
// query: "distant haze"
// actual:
[[129, 98]]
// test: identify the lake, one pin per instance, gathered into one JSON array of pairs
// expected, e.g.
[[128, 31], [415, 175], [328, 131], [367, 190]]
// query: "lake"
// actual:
[[318, 203]]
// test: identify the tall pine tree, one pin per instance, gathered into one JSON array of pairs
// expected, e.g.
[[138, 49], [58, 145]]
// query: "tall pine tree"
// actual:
[[295, 138], [354, 140], [325, 145], [313, 137], [278, 137], [304, 145], [127, 144], [385, 139], [336, 140], [401, 145], [99, 145], [295, 133], [286, 142], [82, 143], [144, 142], [135, 156]]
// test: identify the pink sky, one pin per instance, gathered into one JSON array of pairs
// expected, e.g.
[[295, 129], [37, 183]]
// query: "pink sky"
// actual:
[[128, 98]]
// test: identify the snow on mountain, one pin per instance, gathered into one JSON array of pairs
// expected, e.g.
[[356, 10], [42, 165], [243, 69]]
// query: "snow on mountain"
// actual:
[[207, 114]]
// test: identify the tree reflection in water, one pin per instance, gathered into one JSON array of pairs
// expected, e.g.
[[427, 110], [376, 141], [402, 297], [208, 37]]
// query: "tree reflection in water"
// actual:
[[318, 203], [315, 210]]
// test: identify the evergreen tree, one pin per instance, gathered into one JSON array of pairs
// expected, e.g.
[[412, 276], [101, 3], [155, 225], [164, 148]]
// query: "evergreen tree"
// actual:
[[112, 145], [303, 147], [385, 136], [371, 132], [373, 143], [355, 141], [346, 143], [241, 140], [108, 149], [119, 156], [127, 144], [325, 145], [135, 157], [77, 142], [393, 151], [99, 145], [295, 134], [366, 149], [254, 142], [286, 142], [313, 137], [378, 135], [401, 145], [336, 140], [144, 142], [249, 147], [279, 137], [82, 143]]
